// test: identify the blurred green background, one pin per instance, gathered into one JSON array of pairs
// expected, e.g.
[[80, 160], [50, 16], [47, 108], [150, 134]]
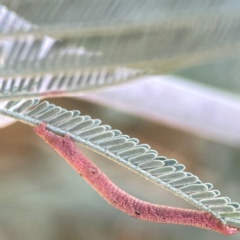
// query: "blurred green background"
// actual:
[[41, 197]]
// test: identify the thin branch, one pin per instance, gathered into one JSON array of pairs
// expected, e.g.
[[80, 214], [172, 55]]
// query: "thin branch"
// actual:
[[122, 200], [193, 113]]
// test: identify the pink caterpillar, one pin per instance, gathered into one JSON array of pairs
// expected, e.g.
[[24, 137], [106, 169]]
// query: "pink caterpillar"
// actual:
[[120, 199]]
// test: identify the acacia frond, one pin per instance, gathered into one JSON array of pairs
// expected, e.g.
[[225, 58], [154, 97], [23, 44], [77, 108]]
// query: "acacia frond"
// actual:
[[156, 36], [127, 151], [63, 84], [32, 57]]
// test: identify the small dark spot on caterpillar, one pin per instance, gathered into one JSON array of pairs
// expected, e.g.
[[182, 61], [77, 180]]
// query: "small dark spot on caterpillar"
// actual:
[[115, 201], [92, 171], [137, 212]]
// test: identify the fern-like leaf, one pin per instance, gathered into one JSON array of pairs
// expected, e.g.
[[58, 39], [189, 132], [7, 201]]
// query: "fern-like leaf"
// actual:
[[72, 82], [127, 151], [136, 34]]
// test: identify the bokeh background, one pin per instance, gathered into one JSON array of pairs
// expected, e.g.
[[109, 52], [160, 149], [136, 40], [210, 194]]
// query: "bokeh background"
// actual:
[[192, 115]]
